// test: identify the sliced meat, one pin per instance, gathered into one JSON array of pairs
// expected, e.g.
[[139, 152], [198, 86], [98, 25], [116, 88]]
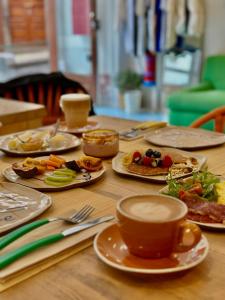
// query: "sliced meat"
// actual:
[[199, 218], [198, 206]]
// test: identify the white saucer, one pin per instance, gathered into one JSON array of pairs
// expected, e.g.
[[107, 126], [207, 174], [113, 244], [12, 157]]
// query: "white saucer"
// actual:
[[91, 125]]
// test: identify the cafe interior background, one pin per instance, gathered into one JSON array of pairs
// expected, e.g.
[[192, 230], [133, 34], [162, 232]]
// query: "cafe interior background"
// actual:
[[91, 41]]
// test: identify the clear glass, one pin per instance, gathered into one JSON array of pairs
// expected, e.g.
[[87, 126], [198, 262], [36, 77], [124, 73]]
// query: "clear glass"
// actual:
[[101, 143]]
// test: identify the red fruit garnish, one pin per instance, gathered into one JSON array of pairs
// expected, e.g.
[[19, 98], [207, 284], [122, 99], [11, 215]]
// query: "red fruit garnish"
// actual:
[[136, 156], [181, 194], [167, 161], [147, 161]]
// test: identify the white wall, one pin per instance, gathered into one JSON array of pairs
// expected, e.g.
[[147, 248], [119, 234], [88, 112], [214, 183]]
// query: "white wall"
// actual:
[[214, 39]]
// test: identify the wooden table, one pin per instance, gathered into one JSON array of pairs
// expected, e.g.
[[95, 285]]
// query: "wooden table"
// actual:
[[83, 276], [17, 115]]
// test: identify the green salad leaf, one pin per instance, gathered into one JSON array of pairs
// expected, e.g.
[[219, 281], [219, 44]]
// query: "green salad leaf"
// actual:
[[206, 179]]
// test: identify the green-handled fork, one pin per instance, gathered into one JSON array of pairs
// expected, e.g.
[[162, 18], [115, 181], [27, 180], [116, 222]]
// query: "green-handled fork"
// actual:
[[10, 257], [76, 218]]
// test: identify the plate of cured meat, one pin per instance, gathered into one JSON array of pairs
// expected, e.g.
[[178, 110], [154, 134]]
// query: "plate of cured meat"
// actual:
[[204, 195], [157, 165]]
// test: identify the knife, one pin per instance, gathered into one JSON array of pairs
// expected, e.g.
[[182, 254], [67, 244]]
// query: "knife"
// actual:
[[141, 128], [13, 255]]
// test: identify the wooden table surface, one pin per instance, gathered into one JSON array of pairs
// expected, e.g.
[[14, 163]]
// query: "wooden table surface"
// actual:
[[83, 276], [17, 115]]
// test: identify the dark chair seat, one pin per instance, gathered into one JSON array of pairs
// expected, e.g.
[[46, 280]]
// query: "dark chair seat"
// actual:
[[43, 89]]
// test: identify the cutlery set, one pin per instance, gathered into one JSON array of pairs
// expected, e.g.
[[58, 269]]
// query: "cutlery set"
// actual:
[[76, 218]]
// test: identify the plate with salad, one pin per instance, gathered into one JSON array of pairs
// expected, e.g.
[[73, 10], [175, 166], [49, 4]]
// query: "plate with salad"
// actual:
[[204, 195]]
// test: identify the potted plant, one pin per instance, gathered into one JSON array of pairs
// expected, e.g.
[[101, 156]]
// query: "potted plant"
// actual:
[[129, 83]]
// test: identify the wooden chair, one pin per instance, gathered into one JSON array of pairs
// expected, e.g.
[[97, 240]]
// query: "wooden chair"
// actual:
[[217, 115], [44, 89]]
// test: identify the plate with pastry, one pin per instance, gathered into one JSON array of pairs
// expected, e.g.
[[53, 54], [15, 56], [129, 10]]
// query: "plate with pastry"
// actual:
[[38, 142], [157, 165], [53, 173]]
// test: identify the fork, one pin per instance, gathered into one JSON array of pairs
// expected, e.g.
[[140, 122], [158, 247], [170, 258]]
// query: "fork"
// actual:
[[76, 218]]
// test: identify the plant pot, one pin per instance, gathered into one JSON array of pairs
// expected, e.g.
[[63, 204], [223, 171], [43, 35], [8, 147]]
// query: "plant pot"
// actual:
[[132, 101], [121, 100]]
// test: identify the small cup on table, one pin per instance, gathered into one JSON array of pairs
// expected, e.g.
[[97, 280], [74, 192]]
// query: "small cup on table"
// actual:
[[154, 225], [76, 108]]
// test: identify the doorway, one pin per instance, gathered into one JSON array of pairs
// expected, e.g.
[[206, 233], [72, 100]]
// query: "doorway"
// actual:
[[72, 36]]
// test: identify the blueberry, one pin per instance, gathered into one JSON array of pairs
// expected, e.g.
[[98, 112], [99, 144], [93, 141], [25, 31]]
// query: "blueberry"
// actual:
[[149, 153], [160, 163], [156, 154]]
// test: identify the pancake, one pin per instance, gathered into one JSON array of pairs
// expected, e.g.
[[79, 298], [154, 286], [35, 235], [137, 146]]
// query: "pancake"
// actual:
[[146, 170]]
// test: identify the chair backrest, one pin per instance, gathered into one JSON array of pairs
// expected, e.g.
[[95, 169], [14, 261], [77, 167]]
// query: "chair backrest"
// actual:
[[218, 115], [44, 89], [213, 71]]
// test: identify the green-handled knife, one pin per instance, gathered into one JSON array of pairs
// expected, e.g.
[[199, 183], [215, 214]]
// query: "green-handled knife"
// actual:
[[13, 255]]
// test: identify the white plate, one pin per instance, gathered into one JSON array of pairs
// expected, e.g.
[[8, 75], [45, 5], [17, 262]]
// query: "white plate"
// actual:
[[110, 249], [34, 202], [118, 166], [37, 182], [72, 142], [185, 138], [91, 125], [218, 226]]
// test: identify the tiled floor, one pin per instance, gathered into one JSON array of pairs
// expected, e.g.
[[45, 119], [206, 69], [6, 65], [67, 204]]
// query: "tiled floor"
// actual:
[[140, 116]]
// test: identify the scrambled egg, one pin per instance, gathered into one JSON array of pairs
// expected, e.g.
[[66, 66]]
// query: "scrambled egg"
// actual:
[[220, 190]]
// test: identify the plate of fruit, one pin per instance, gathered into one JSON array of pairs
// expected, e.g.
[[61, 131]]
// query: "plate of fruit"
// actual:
[[204, 195], [54, 173], [38, 142], [157, 165]]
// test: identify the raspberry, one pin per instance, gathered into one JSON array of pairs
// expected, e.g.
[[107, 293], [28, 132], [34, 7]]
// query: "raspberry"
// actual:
[[147, 161], [167, 161]]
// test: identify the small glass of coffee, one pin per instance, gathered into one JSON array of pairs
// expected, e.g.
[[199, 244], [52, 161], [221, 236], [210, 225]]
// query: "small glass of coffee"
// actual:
[[76, 108]]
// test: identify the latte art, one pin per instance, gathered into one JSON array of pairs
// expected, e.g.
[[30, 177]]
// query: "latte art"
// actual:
[[152, 210]]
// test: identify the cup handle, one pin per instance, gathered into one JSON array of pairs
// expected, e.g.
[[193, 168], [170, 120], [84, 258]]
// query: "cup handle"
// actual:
[[187, 229]]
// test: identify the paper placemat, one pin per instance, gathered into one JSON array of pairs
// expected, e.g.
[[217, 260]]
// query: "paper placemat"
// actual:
[[45, 257]]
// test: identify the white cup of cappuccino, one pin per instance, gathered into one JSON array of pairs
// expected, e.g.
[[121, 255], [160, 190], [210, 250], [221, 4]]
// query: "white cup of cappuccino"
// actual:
[[76, 108]]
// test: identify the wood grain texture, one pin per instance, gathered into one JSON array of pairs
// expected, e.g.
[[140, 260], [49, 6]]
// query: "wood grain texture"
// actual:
[[83, 276], [17, 115]]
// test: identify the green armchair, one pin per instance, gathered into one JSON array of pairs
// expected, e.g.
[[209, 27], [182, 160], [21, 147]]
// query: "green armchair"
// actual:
[[189, 104]]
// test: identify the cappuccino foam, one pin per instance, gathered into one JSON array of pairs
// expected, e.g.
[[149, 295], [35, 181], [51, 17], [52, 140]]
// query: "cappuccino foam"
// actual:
[[154, 209]]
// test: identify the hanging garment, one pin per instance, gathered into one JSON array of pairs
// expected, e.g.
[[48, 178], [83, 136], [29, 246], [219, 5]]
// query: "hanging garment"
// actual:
[[163, 27], [158, 13], [130, 27], [151, 26], [150, 69], [181, 22], [140, 8], [169, 8], [120, 14], [141, 27], [195, 26]]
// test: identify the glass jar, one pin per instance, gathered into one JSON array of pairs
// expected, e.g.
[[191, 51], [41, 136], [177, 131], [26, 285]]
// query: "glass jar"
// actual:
[[101, 143]]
